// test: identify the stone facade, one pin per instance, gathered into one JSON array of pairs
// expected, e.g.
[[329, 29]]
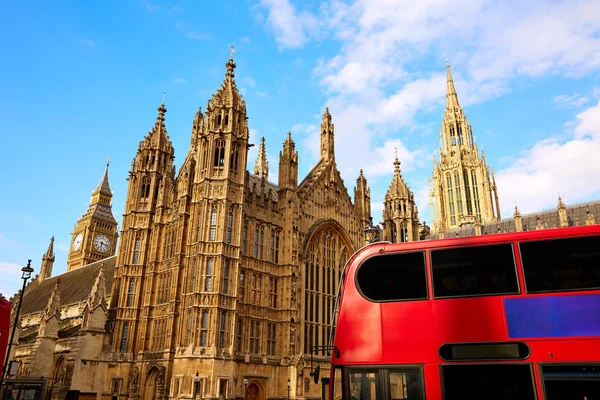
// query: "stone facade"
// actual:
[[222, 274], [461, 191]]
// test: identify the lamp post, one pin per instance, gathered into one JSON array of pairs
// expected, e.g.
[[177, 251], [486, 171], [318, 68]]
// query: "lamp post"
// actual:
[[196, 384], [371, 231], [25, 276], [289, 385], [245, 387]]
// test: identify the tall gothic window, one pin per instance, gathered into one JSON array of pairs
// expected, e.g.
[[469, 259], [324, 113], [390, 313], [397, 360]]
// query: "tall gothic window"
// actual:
[[205, 154], [468, 192], [327, 253], [239, 334], [260, 244], [136, 251], [273, 292], [271, 335], [452, 136], [256, 243], [193, 275], [229, 227], [222, 325], [219, 160], [476, 194], [450, 199], [460, 134], [130, 292], [145, 192], [242, 285], [208, 276], [244, 239], [256, 288], [124, 337], [204, 328], [254, 337], [459, 202], [234, 157], [199, 224], [213, 225], [225, 281]]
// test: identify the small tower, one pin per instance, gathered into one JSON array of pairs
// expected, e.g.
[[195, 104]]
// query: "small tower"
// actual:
[[288, 165], [400, 216], [362, 199], [261, 166], [47, 262], [518, 220], [327, 136], [95, 234], [562, 213]]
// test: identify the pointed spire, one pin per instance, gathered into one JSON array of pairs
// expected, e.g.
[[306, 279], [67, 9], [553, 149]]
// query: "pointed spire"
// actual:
[[104, 187], [397, 163], [516, 214], [451, 97], [230, 65], [326, 115], [50, 252], [561, 204], [53, 306], [98, 292], [261, 167]]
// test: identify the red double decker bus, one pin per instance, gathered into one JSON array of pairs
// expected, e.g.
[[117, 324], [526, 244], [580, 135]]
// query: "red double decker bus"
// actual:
[[505, 316]]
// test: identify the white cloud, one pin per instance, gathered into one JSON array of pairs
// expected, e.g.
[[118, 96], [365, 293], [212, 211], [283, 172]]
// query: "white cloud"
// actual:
[[574, 100], [262, 94], [291, 27], [198, 35], [11, 278], [571, 167]]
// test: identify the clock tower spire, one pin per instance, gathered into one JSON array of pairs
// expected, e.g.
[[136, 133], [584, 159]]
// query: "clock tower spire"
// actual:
[[95, 234]]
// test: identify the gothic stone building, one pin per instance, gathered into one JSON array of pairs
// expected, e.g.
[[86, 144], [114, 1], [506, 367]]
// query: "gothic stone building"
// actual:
[[221, 274]]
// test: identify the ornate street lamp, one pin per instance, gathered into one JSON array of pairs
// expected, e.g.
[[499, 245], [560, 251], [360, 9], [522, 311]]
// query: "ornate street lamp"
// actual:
[[289, 385], [196, 385], [245, 387], [25, 276], [371, 232]]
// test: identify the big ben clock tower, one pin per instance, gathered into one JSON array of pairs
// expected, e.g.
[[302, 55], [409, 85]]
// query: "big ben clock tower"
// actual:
[[95, 234]]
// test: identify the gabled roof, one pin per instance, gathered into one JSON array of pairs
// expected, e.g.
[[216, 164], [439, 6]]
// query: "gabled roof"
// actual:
[[75, 286]]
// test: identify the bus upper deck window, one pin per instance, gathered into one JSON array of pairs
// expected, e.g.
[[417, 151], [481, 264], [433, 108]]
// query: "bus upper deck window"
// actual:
[[393, 277], [561, 264], [474, 271]]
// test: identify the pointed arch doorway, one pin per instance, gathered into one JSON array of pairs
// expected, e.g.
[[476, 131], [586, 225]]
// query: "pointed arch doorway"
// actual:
[[151, 384], [253, 392]]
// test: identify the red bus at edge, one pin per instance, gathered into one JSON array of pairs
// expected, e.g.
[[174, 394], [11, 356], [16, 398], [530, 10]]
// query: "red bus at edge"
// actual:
[[504, 316]]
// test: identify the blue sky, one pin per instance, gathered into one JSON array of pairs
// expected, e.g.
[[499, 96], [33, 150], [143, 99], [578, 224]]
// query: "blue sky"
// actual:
[[81, 81]]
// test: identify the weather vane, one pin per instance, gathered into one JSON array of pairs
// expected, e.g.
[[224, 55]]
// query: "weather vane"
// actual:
[[396, 150], [231, 51], [163, 100], [108, 161]]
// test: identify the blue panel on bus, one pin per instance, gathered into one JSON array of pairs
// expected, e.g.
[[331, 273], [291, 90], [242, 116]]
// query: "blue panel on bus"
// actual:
[[553, 316]]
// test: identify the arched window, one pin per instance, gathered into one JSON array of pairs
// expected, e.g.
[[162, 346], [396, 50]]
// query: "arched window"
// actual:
[[145, 192], [260, 244], [199, 224], [233, 158], [204, 328], [468, 192], [256, 243], [213, 225], [124, 337], [229, 227], [457, 186], [452, 136], [450, 199], [219, 160], [244, 239], [226, 124], [136, 251], [130, 292], [208, 276]]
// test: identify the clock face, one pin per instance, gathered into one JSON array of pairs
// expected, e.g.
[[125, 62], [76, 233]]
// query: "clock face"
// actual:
[[102, 243], [77, 241]]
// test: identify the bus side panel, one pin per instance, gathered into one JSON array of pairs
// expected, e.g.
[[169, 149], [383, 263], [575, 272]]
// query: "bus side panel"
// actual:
[[408, 332], [358, 331], [468, 320]]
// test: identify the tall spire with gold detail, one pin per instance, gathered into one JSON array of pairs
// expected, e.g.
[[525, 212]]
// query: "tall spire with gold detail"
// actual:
[[462, 191], [362, 199], [261, 166], [400, 216]]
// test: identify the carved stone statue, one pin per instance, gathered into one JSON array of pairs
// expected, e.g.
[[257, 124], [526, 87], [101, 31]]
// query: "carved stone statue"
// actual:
[[134, 376]]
